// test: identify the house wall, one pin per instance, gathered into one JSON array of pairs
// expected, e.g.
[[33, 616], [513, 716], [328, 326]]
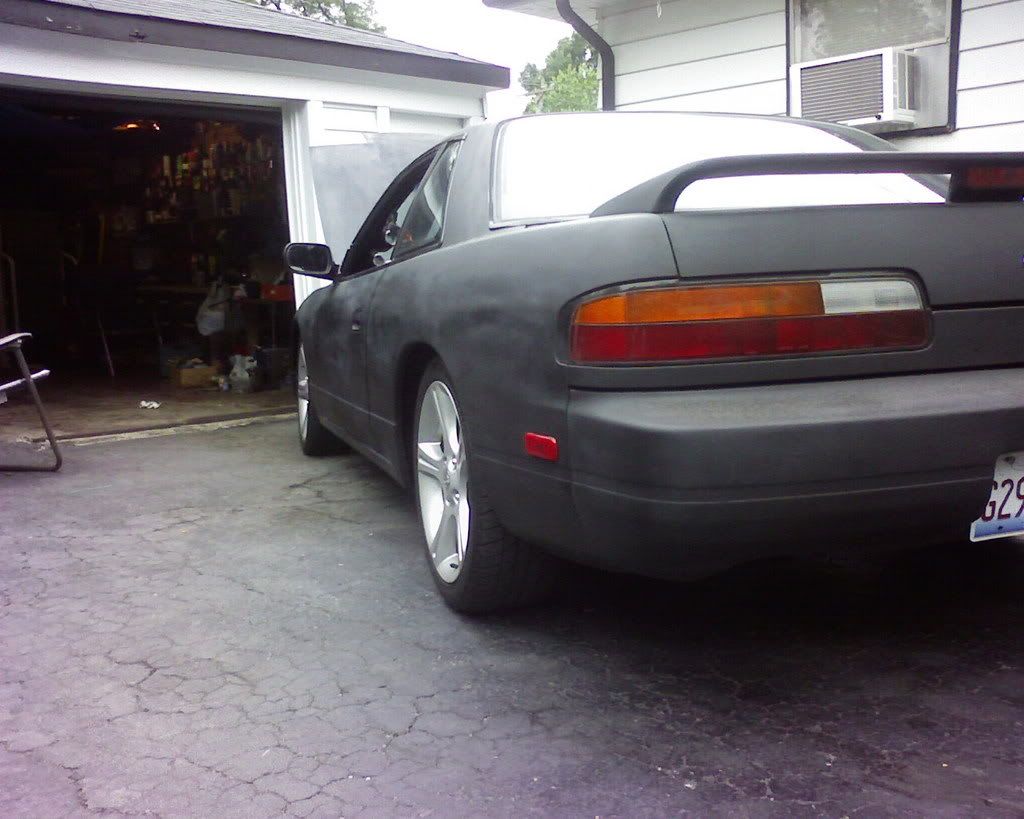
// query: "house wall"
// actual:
[[730, 55], [727, 55], [990, 86]]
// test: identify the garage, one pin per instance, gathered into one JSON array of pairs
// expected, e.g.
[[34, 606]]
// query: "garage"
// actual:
[[152, 175], [120, 221]]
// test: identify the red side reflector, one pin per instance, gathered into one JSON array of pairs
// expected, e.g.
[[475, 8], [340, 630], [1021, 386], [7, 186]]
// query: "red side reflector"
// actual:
[[603, 343], [541, 446]]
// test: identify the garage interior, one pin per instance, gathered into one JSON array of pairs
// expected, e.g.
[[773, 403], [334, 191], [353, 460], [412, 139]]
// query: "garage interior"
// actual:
[[140, 244]]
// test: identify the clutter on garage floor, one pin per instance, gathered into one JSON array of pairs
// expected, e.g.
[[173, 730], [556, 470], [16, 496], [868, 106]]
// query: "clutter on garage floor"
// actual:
[[96, 407]]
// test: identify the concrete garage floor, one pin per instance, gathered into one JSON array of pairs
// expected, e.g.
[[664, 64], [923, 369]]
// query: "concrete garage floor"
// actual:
[[209, 624], [97, 406]]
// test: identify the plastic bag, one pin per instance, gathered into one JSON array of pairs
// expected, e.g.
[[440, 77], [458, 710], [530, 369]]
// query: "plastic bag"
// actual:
[[242, 369], [210, 315]]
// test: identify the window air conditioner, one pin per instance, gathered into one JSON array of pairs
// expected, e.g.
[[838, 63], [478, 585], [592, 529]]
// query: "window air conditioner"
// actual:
[[874, 90]]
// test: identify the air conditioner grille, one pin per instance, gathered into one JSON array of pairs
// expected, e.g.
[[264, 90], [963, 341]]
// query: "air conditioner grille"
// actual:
[[842, 91]]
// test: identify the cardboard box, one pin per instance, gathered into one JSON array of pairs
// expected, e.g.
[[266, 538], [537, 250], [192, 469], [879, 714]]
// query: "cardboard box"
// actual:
[[193, 376], [171, 355]]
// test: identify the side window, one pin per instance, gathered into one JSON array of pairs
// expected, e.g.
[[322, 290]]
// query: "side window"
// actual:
[[424, 220], [393, 222]]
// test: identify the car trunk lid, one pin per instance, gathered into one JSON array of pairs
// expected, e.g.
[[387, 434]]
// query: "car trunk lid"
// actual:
[[963, 254]]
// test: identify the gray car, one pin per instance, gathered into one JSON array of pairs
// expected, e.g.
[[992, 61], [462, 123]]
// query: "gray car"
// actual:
[[669, 343]]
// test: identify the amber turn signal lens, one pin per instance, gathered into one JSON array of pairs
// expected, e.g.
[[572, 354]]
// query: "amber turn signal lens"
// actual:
[[703, 304]]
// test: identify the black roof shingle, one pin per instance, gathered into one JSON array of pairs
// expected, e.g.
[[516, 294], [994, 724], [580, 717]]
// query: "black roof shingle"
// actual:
[[239, 27]]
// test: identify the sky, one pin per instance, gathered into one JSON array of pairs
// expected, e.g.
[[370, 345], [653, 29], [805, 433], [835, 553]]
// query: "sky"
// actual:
[[470, 28]]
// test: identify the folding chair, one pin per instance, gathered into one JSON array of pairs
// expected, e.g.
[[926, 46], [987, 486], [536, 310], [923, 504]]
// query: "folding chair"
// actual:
[[12, 344]]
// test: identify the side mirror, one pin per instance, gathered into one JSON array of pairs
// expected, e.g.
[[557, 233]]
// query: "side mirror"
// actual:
[[309, 259], [391, 234]]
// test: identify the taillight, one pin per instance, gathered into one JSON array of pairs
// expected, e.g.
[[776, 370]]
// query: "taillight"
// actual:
[[989, 183], [679, 323]]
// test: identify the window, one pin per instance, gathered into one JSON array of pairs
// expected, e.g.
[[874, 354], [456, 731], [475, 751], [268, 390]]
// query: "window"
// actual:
[[424, 221], [387, 253], [830, 28], [566, 165], [826, 32]]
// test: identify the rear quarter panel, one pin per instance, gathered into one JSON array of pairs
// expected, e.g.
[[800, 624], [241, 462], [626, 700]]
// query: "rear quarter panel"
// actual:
[[967, 259], [492, 310]]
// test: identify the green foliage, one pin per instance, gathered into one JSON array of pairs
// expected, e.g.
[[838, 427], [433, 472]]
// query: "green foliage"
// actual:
[[361, 14], [572, 89], [567, 82]]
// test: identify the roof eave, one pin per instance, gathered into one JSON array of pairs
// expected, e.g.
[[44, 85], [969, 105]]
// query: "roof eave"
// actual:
[[142, 29], [541, 8]]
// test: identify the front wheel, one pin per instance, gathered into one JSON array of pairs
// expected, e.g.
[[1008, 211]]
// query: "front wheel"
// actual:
[[476, 564]]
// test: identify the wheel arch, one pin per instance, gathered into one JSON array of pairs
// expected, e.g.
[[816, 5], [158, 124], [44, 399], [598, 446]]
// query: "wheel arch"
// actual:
[[296, 342], [412, 363]]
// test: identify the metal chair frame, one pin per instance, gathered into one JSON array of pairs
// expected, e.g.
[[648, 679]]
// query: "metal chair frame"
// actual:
[[12, 344]]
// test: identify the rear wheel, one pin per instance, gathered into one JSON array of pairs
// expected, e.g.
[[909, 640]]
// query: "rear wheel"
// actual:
[[476, 564], [314, 438]]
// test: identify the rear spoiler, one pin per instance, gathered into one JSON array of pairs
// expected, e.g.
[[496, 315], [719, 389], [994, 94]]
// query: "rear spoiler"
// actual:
[[976, 177]]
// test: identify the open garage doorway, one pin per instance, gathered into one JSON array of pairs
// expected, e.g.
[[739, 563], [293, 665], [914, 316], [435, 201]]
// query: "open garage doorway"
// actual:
[[141, 246]]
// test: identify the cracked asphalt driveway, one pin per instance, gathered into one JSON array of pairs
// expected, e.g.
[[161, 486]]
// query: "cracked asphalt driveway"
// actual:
[[210, 624]]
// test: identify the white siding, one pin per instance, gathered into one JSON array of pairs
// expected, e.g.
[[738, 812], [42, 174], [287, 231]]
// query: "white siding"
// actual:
[[344, 118], [990, 138], [407, 123], [992, 24], [990, 86], [727, 55], [759, 98], [694, 45]]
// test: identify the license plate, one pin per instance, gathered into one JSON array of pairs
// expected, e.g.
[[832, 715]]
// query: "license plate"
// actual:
[[1004, 513]]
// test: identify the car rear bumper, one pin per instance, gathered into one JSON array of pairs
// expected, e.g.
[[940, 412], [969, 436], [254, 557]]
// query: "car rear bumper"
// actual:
[[689, 482]]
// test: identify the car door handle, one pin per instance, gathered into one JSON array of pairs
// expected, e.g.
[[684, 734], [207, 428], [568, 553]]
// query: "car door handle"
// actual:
[[357, 321]]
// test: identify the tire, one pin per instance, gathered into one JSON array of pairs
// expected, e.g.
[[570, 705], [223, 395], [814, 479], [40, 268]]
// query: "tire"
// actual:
[[488, 569], [314, 438]]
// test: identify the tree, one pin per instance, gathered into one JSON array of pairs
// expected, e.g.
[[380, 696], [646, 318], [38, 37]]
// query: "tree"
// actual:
[[567, 82], [352, 13]]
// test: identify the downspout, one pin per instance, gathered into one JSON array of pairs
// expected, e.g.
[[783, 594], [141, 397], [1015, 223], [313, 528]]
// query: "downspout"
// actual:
[[600, 45]]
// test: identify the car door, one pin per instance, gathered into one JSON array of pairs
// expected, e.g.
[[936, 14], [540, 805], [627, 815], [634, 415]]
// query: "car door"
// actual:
[[341, 355], [419, 230], [341, 320]]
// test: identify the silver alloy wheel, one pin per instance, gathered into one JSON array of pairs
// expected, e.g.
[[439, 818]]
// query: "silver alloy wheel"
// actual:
[[302, 393], [442, 476]]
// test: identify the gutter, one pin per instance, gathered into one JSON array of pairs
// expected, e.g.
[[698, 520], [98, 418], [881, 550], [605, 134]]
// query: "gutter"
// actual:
[[599, 44]]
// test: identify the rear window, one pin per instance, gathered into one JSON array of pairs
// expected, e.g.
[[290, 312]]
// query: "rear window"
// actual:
[[565, 166]]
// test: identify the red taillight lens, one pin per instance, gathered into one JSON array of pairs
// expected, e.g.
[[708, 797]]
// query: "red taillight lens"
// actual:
[[996, 178], [731, 321]]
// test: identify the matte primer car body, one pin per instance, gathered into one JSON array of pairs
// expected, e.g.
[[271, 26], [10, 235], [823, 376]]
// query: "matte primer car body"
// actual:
[[598, 339]]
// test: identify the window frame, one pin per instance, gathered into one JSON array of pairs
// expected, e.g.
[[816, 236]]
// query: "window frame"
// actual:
[[955, 17], [442, 149], [364, 240]]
